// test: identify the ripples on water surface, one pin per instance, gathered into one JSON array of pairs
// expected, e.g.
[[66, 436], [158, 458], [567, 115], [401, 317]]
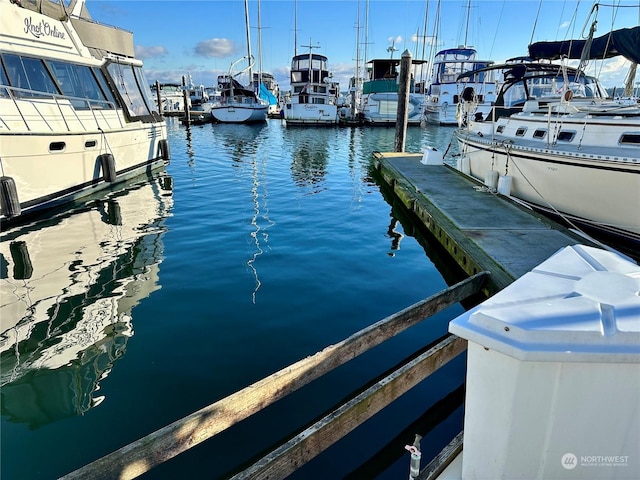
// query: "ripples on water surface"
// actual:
[[259, 246]]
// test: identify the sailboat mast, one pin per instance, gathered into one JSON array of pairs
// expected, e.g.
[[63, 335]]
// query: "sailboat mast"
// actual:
[[257, 89], [357, 79], [424, 42], [246, 20], [466, 30]]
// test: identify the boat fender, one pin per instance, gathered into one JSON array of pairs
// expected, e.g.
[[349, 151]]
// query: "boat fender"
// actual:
[[22, 266], [504, 185], [108, 165], [164, 149], [491, 180], [431, 156], [464, 165], [9, 202]]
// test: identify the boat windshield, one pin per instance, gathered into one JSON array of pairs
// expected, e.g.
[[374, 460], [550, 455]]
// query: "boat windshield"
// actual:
[[549, 88], [133, 88]]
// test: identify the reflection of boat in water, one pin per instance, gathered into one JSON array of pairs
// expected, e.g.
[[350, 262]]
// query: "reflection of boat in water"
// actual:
[[68, 285], [309, 159], [77, 112]]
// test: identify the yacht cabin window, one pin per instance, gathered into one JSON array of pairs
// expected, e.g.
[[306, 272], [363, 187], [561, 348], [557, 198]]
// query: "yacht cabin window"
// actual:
[[127, 84], [630, 139], [28, 74], [80, 81], [57, 77], [3, 81], [539, 133], [565, 136]]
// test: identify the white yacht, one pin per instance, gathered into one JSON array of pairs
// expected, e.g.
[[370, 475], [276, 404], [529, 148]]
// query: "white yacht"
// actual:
[[314, 96], [446, 94], [78, 115], [171, 97]]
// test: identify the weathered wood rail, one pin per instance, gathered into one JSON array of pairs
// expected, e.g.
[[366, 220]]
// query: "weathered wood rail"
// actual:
[[142, 455]]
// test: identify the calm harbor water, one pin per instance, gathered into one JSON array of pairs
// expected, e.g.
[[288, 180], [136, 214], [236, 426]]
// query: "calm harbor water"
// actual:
[[258, 246]]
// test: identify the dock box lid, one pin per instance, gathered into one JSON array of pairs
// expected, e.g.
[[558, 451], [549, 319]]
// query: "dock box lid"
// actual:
[[582, 304]]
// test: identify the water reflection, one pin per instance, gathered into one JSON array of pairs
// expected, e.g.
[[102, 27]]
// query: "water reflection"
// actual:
[[241, 142], [68, 286], [242, 145], [395, 235], [309, 157]]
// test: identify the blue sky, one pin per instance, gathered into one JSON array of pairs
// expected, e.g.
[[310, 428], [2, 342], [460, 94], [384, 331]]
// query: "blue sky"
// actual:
[[202, 38]]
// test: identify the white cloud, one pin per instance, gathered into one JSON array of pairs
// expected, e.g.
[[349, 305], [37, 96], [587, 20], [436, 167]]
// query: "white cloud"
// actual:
[[215, 48], [149, 52]]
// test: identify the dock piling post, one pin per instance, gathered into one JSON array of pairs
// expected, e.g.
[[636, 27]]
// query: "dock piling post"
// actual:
[[402, 117], [185, 95], [159, 97]]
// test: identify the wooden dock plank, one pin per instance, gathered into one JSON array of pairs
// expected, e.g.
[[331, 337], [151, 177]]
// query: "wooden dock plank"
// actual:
[[480, 229]]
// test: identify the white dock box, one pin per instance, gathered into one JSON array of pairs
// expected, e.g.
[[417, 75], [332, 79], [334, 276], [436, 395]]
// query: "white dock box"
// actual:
[[553, 373]]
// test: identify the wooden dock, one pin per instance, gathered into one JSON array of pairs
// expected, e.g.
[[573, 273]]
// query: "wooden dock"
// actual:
[[482, 231]]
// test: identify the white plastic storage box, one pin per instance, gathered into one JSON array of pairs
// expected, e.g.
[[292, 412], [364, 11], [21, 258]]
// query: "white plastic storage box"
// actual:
[[553, 374]]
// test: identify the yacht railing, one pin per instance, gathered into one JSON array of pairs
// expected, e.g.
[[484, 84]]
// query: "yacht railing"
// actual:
[[64, 114]]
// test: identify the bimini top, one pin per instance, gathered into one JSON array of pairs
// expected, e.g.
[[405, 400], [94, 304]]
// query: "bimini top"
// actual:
[[580, 305], [625, 42], [314, 56], [460, 53]]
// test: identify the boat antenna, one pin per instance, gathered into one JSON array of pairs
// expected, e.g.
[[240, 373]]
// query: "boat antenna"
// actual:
[[295, 28], [392, 48]]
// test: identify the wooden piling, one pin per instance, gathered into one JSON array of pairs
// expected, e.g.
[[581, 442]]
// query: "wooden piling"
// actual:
[[402, 117], [185, 95], [158, 97]]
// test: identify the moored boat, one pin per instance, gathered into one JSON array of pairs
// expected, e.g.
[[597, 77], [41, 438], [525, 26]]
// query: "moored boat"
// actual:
[[314, 95], [78, 115], [171, 97], [379, 99], [239, 103], [269, 91], [445, 93], [557, 142]]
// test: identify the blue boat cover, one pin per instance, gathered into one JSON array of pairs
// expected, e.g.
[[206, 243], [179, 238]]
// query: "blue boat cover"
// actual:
[[625, 42], [265, 94]]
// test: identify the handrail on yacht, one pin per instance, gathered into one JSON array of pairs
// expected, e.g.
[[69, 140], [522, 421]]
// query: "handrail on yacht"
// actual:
[[35, 97]]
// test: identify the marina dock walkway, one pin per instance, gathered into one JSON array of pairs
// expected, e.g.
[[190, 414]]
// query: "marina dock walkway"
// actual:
[[482, 231]]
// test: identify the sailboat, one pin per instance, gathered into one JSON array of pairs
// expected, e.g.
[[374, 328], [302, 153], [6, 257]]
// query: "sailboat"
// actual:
[[556, 141], [238, 103]]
